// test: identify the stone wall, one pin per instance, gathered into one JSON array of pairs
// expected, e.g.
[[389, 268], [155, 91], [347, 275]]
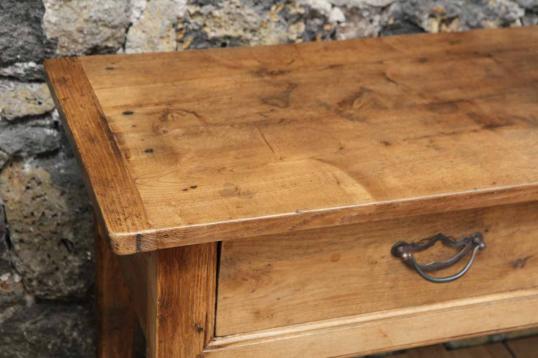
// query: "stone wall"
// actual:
[[46, 264]]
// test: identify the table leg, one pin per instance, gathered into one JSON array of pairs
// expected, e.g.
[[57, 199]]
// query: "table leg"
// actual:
[[117, 322], [182, 305]]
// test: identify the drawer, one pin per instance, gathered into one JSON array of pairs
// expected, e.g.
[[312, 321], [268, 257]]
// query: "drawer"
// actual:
[[348, 270]]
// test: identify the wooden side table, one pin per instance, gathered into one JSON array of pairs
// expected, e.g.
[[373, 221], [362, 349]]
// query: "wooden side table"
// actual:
[[322, 199]]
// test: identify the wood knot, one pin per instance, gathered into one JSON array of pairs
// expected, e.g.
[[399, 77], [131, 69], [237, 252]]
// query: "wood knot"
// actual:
[[521, 262]]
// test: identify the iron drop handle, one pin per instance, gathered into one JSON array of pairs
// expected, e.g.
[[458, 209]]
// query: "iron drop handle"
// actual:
[[471, 244]]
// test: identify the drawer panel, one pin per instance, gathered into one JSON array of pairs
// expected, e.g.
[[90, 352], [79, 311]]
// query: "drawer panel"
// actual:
[[348, 270]]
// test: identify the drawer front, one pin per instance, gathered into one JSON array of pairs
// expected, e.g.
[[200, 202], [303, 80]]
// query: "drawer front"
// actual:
[[349, 270]]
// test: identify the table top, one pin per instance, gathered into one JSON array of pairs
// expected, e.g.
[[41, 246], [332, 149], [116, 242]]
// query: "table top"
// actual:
[[208, 145]]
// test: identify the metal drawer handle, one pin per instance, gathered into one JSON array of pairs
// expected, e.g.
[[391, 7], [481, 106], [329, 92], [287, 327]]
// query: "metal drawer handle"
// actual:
[[473, 244]]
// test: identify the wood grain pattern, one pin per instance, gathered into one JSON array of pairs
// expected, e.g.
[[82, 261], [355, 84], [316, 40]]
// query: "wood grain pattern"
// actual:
[[185, 301], [315, 275], [386, 331], [174, 293], [117, 199], [117, 325], [302, 277], [234, 143]]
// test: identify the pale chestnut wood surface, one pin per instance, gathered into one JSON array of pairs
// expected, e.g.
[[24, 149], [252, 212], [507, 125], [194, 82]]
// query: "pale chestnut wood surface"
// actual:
[[174, 298], [201, 146], [386, 331], [182, 309], [336, 272]]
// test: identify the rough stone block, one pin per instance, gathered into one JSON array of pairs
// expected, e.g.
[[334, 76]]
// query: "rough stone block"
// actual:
[[18, 99]]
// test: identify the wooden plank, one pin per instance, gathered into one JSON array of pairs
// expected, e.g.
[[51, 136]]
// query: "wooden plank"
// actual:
[[115, 71], [117, 325], [267, 141], [117, 200], [524, 348], [386, 331], [180, 301], [315, 275]]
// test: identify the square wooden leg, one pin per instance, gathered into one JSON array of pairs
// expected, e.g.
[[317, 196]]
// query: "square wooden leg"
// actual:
[[173, 295], [117, 323], [182, 301]]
